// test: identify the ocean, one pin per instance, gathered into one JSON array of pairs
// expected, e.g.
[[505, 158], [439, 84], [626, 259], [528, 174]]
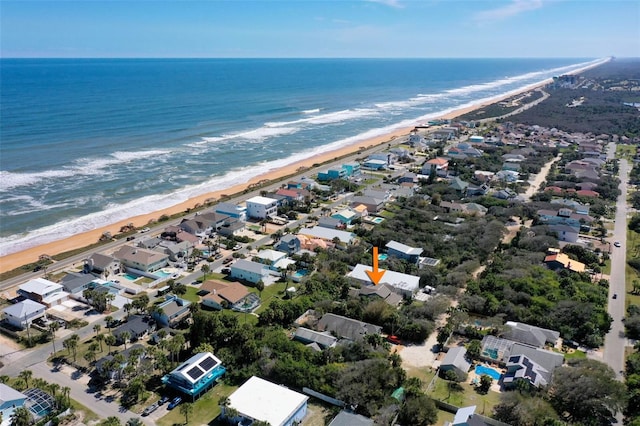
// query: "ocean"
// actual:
[[89, 142]]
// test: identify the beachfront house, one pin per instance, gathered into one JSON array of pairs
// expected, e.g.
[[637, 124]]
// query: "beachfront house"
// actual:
[[172, 311], [327, 234], [232, 210], [260, 400], [196, 375], [403, 251], [102, 265], [204, 224], [22, 314], [141, 259], [261, 207]]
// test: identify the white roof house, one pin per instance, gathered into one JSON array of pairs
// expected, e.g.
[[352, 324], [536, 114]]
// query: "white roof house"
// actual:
[[261, 207], [327, 234], [269, 256], [44, 291], [403, 284], [10, 399], [23, 313], [259, 399]]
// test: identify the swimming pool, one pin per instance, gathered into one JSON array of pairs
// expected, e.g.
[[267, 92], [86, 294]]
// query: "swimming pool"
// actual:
[[131, 277], [483, 369], [383, 256], [161, 273]]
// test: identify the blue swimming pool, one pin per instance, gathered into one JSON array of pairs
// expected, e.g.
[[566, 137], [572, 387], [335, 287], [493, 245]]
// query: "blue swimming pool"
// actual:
[[161, 273], [483, 369], [383, 256], [131, 277]]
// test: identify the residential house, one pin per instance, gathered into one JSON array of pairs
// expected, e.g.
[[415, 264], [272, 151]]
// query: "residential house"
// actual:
[[451, 207], [439, 165], [403, 251], [473, 191], [458, 184], [565, 232], [475, 209], [500, 350], [141, 259], [232, 210], [466, 416], [331, 223], [373, 204], [562, 261], [22, 314], [444, 134], [579, 208], [345, 418], [311, 337], [289, 244], [76, 283], [352, 169], [505, 194], [381, 291], [43, 291], [102, 264], [232, 227], [327, 234], [204, 224], [172, 311], [519, 367], [374, 164], [260, 400], [196, 375], [106, 368], [512, 165], [476, 139], [530, 334], [347, 328], [176, 250], [137, 326], [332, 173], [403, 284], [483, 175], [274, 259], [149, 243], [261, 207], [220, 294], [10, 399], [456, 360], [408, 177], [293, 196], [587, 193], [249, 271], [509, 176], [346, 216]]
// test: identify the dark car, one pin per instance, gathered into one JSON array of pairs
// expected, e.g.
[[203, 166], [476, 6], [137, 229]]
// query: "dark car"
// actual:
[[150, 409], [225, 271], [615, 295], [228, 260], [163, 400], [174, 403]]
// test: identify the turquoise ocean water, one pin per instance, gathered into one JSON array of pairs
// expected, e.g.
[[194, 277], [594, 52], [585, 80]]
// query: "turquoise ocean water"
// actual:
[[88, 142]]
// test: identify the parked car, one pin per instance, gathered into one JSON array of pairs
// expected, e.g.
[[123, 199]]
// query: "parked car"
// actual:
[[228, 260], [174, 403], [394, 339], [150, 409], [225, 271], [163, 400], [218, 256]]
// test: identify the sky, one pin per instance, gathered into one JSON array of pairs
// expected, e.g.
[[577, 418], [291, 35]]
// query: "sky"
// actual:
[[319, 29]]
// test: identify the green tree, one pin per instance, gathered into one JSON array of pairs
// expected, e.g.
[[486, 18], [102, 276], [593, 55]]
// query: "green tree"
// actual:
[[97, 328], [110, 340], [186, 410], [21, 417], [100, 339], [260, 287], [25, 376], [53, 327], [205, 270], [110, 421], [524, 410], [485, 383], [124, 336], [586, 390], [418, 410]]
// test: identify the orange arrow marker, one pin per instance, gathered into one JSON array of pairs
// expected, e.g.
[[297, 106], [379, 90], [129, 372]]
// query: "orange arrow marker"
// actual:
[[376, 274]]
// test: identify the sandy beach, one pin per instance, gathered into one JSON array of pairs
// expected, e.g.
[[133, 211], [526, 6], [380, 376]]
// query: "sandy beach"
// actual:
[[15, 260]]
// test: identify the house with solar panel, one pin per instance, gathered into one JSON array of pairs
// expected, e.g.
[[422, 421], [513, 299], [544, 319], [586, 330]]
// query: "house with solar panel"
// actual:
[[196, 375]]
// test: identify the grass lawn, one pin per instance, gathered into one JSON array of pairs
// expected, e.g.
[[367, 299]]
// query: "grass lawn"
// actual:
[[421, 373], [274, 291], [468, 396], [88, 415], [625, 151], [191, 294], [633, 247], [205, 409]]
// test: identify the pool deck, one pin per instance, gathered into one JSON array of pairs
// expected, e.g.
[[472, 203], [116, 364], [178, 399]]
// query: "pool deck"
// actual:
[[495, 386]]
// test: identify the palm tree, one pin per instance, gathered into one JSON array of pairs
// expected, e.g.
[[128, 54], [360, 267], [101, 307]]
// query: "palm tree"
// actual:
[[186, 409], [108, 320], [4, 378], [205, 270], [111, 421], [53, 327], [21, 417], [110, 340], [97, 328], [54, 388], [127, 308], [66, 392], [125, 335], [260, 287], [100, 339], [25, 375]]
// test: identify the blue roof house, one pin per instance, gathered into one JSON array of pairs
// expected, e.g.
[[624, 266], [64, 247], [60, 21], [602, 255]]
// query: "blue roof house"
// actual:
[[10, 399], [196, 375]]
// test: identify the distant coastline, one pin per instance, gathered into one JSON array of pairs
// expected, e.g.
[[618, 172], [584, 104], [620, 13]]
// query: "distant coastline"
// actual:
[[29, 255]]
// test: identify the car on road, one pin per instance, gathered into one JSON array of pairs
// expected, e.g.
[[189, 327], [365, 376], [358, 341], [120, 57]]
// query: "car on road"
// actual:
[[617, 244], [228, 260], [615, 295], [174, 403], [150, 409], [218, 256]]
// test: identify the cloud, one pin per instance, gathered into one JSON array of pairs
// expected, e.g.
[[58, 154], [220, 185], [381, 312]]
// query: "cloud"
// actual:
[[390, 3], [515, 7]]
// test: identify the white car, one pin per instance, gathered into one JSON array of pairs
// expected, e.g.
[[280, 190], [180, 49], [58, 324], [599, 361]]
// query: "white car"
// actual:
[[617, 244]]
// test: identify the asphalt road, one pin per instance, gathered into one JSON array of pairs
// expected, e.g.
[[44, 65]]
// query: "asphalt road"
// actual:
[[615, 340]]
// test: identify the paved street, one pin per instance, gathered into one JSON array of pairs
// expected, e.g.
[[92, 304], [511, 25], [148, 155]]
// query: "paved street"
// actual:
[[615, 340]]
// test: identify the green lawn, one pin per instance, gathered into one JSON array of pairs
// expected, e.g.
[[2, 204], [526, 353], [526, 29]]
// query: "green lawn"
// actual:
[[633, 250], [625, 151], [191, 295], [468, 396], [205, 409]]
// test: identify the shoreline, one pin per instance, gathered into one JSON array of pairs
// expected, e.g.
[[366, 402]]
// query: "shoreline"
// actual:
[[20, 258]]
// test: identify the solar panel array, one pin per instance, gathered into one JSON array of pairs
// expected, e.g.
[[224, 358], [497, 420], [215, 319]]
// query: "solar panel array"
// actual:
[[529, 372], [195, 373], [429, 261], [514, 358], [207, 363]]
